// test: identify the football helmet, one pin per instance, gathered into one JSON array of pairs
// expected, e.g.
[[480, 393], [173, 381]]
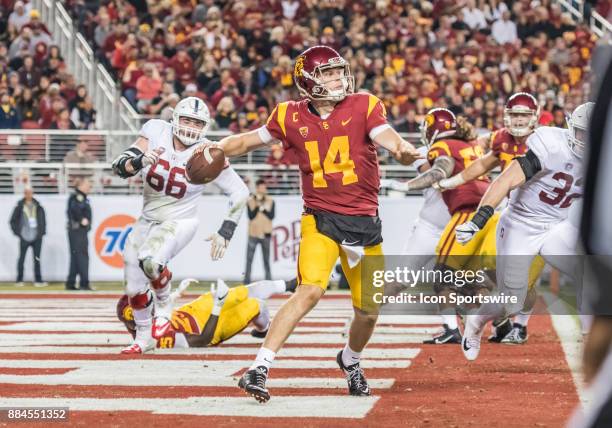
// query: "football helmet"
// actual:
[[438, 123], [310, 81], [578, 124], [521, 114], [193, 108]]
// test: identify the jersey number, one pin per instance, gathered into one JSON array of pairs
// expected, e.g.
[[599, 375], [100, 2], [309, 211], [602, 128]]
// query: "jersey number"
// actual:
[[339, 148], [560, 193], [173, 188]]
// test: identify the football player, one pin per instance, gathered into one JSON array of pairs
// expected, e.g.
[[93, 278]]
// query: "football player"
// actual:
[[169, 215], [213, 317], [547, 180], [521, 115], [334, 133]]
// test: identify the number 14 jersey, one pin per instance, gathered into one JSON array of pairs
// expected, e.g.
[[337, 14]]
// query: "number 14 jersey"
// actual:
[[546, 198], [336, 155]]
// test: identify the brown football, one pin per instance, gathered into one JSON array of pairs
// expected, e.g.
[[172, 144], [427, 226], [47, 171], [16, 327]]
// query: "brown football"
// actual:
[[204, 165]]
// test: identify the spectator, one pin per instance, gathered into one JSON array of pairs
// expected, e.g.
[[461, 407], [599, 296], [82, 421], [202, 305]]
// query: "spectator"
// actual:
[[504, 30], [260, 209], [28, 74], [474, 17], [79, 224], [27, 106], [81, 155], [559, 119], [63, 120], [166, 113], [226, 113], [18, 18], [148, 87], [83, 114], [9, 116], [28, 223]]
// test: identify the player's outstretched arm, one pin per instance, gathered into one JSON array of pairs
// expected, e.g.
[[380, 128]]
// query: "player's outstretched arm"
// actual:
[[135, 158], [239, 144], [203, 339], [476, 169], [443, 167], [519, 171], [402, 150]]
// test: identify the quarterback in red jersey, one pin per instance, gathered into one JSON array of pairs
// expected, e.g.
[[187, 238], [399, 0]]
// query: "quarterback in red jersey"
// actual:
[[334, 133]]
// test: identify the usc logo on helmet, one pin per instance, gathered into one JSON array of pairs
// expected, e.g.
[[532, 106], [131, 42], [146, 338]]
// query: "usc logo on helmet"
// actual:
[[110, 238], [299, 66]]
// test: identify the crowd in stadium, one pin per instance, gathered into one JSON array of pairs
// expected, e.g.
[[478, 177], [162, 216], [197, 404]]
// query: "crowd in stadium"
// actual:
[[237, 55]]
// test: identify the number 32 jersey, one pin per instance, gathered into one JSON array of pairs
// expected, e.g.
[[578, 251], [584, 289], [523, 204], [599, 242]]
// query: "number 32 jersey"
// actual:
[[548, 196], [167, 194], [336, 155]]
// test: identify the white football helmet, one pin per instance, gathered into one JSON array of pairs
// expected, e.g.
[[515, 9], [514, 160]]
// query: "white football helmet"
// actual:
[[578, 124], [193, 108]]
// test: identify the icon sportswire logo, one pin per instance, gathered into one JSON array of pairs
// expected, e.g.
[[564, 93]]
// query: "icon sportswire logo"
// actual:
[[110, 238]]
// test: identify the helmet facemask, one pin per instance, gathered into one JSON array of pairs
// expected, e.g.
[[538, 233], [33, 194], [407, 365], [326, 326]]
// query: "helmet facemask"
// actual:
[[577, 138], [190, 131], [320, 89], [520, 123]]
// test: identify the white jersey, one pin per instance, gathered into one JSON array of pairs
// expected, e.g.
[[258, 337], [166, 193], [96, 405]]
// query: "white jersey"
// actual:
[[547, 197], [434, 210], [167, 194]]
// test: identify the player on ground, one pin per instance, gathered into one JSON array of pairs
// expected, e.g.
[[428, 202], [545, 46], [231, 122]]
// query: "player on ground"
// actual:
[[521, 115], [169, 216], [334, 134], [547, 179], [216, 316]]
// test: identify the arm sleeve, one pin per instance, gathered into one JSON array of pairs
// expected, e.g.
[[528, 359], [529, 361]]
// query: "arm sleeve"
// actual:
[[270, 214], [252, 212], [376, 115], [232, 185]]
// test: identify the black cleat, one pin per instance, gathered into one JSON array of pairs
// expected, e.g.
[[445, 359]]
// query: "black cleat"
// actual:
[[253, 382], [291, 285], [259, 334], [447, 336], [501, 330], [517, 336], [357, 383]]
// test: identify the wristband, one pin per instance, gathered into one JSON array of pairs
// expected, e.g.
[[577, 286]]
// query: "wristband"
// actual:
[[483, 215], [227, 229]]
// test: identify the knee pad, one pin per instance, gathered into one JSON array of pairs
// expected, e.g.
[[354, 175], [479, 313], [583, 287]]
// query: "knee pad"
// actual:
[[141, 300]]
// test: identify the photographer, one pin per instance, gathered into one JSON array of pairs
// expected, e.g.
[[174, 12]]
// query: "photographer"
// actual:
[[260, 209]]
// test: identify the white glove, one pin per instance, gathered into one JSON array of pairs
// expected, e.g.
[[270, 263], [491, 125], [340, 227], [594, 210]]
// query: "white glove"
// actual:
[[400, 186], [151, 157], [218, 245], [465, 232], [385, 183]]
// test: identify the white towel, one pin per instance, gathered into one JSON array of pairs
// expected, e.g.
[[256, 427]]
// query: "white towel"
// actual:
[[353, 254]]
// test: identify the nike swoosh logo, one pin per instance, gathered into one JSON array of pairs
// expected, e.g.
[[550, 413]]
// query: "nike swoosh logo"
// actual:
[[345, 122], [440, 341], [348, 243], [465, 347]]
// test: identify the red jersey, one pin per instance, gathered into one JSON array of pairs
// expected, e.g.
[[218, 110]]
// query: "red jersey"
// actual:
[[505, 147], [467, 196], [337, 158]]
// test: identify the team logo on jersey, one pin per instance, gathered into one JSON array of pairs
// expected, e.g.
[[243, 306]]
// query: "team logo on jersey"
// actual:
[[325, 125], [110, 238], [304, 131]]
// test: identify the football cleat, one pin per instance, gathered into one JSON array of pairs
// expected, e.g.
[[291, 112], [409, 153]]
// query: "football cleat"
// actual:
[[517, 336], [161, 321], [500, 330], [253, 382], [259, 334], [142, 343], [449, 335], [219, 291], [470, 344], [357, 383]]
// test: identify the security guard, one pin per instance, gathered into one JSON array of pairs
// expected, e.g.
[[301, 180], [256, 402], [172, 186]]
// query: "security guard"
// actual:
[[79, 224]]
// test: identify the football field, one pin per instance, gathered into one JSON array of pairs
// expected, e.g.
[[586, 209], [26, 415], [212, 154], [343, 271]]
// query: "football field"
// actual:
[[62, 350]]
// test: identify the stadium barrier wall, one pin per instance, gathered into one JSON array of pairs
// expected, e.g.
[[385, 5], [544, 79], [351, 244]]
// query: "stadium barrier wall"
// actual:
[[113, 215]]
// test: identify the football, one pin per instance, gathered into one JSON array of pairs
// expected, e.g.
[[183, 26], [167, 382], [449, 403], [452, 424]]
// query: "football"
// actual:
[[204, 165]]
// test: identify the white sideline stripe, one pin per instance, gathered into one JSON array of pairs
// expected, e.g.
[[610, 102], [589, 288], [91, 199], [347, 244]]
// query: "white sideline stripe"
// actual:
[[570, 336], [118, 327], [368, 353], [278, 406], [17, 339], [194, 366]]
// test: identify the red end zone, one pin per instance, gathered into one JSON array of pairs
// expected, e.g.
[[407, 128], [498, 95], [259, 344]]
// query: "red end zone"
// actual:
[[527, 385]]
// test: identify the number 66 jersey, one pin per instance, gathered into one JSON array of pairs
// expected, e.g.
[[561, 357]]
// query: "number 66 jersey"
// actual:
[[167, 193], [547, 197]]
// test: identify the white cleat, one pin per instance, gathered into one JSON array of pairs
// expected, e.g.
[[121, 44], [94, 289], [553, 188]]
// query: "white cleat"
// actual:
[[219, 290], [178, 293], [41, 284], [142, 343], [470, 343], [19, 284], [163, 314]]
